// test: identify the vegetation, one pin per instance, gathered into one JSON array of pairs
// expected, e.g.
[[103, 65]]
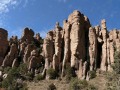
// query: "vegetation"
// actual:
[[76, 84], [113, 77], [12, 80], [23, 68], [39, 77], [29, 76], [92, 74], [51, 87], [116, 65], [52, 73], [69, 72]]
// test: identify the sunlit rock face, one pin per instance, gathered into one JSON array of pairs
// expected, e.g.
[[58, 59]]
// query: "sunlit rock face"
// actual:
[[84, 47], [77, 45]]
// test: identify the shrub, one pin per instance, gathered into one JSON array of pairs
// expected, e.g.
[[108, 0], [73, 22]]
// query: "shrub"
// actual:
[[1, 68], [52, 73], [14, 72], [5, 84], [6, 70], [8, 82], [23, 69], [113, 78], [70, 73], [116, 65], [92, 74], [29, 76], [76, 84], [92, 87], [39, 77], [51, 87]]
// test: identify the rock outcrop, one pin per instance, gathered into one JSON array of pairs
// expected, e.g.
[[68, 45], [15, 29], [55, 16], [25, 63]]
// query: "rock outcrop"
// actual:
[[85, 47], [27, 36], [34, 60], [12, 54], [92, 48], [3, 44], [77, 45]]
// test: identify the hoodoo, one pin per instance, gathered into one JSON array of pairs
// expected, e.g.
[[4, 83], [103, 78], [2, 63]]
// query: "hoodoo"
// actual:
[[77, 45]]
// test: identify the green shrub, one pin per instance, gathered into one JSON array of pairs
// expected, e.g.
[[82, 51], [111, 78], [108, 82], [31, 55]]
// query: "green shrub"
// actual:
[[29, 76], [76, 84], [92, 74], [116, 65], [23, 69], [69, 73], [39, 77], [113, 78], [5, 84], [1, 68], [91, 87], [13, 74], [6, 70], [52, 73]]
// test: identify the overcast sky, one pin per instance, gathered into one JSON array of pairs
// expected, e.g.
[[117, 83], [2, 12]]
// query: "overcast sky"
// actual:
[[41, 15]]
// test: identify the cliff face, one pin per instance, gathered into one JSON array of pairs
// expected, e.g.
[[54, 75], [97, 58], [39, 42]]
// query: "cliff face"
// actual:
[[3, 44], [84, 47], [78, 44]]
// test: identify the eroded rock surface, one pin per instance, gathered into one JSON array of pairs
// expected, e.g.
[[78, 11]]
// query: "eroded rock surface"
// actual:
[[77, 45]]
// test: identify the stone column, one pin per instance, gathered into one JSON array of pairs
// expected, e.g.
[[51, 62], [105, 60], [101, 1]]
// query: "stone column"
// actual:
[[104, 46], [66, 29], [92, 48]]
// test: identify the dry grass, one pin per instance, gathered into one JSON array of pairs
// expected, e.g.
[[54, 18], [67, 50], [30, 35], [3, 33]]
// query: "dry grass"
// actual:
[[99, 82], [43, 85]]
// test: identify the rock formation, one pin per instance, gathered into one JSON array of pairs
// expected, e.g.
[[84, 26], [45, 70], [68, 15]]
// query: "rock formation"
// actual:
[[3, 44], [77, 45], [103, 34], [12, 54], [27, 52], [58, 46], [92, 48], [48, 49], [66, 31], [27, 36], [34, 60]]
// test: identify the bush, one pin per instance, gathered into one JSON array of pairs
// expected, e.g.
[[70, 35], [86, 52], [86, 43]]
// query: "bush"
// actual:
[[52, 73], [10, 82], [70, 73], [76, 84], [92, 74], [6, 70], [39, 77], [23, 69], [5, 84], [116, 65], [13, 74], [51, 87], [113, 78], [30, 76], [92, 87]]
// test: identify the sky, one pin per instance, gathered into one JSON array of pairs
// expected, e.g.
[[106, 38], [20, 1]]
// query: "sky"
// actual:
[[41, 15]]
